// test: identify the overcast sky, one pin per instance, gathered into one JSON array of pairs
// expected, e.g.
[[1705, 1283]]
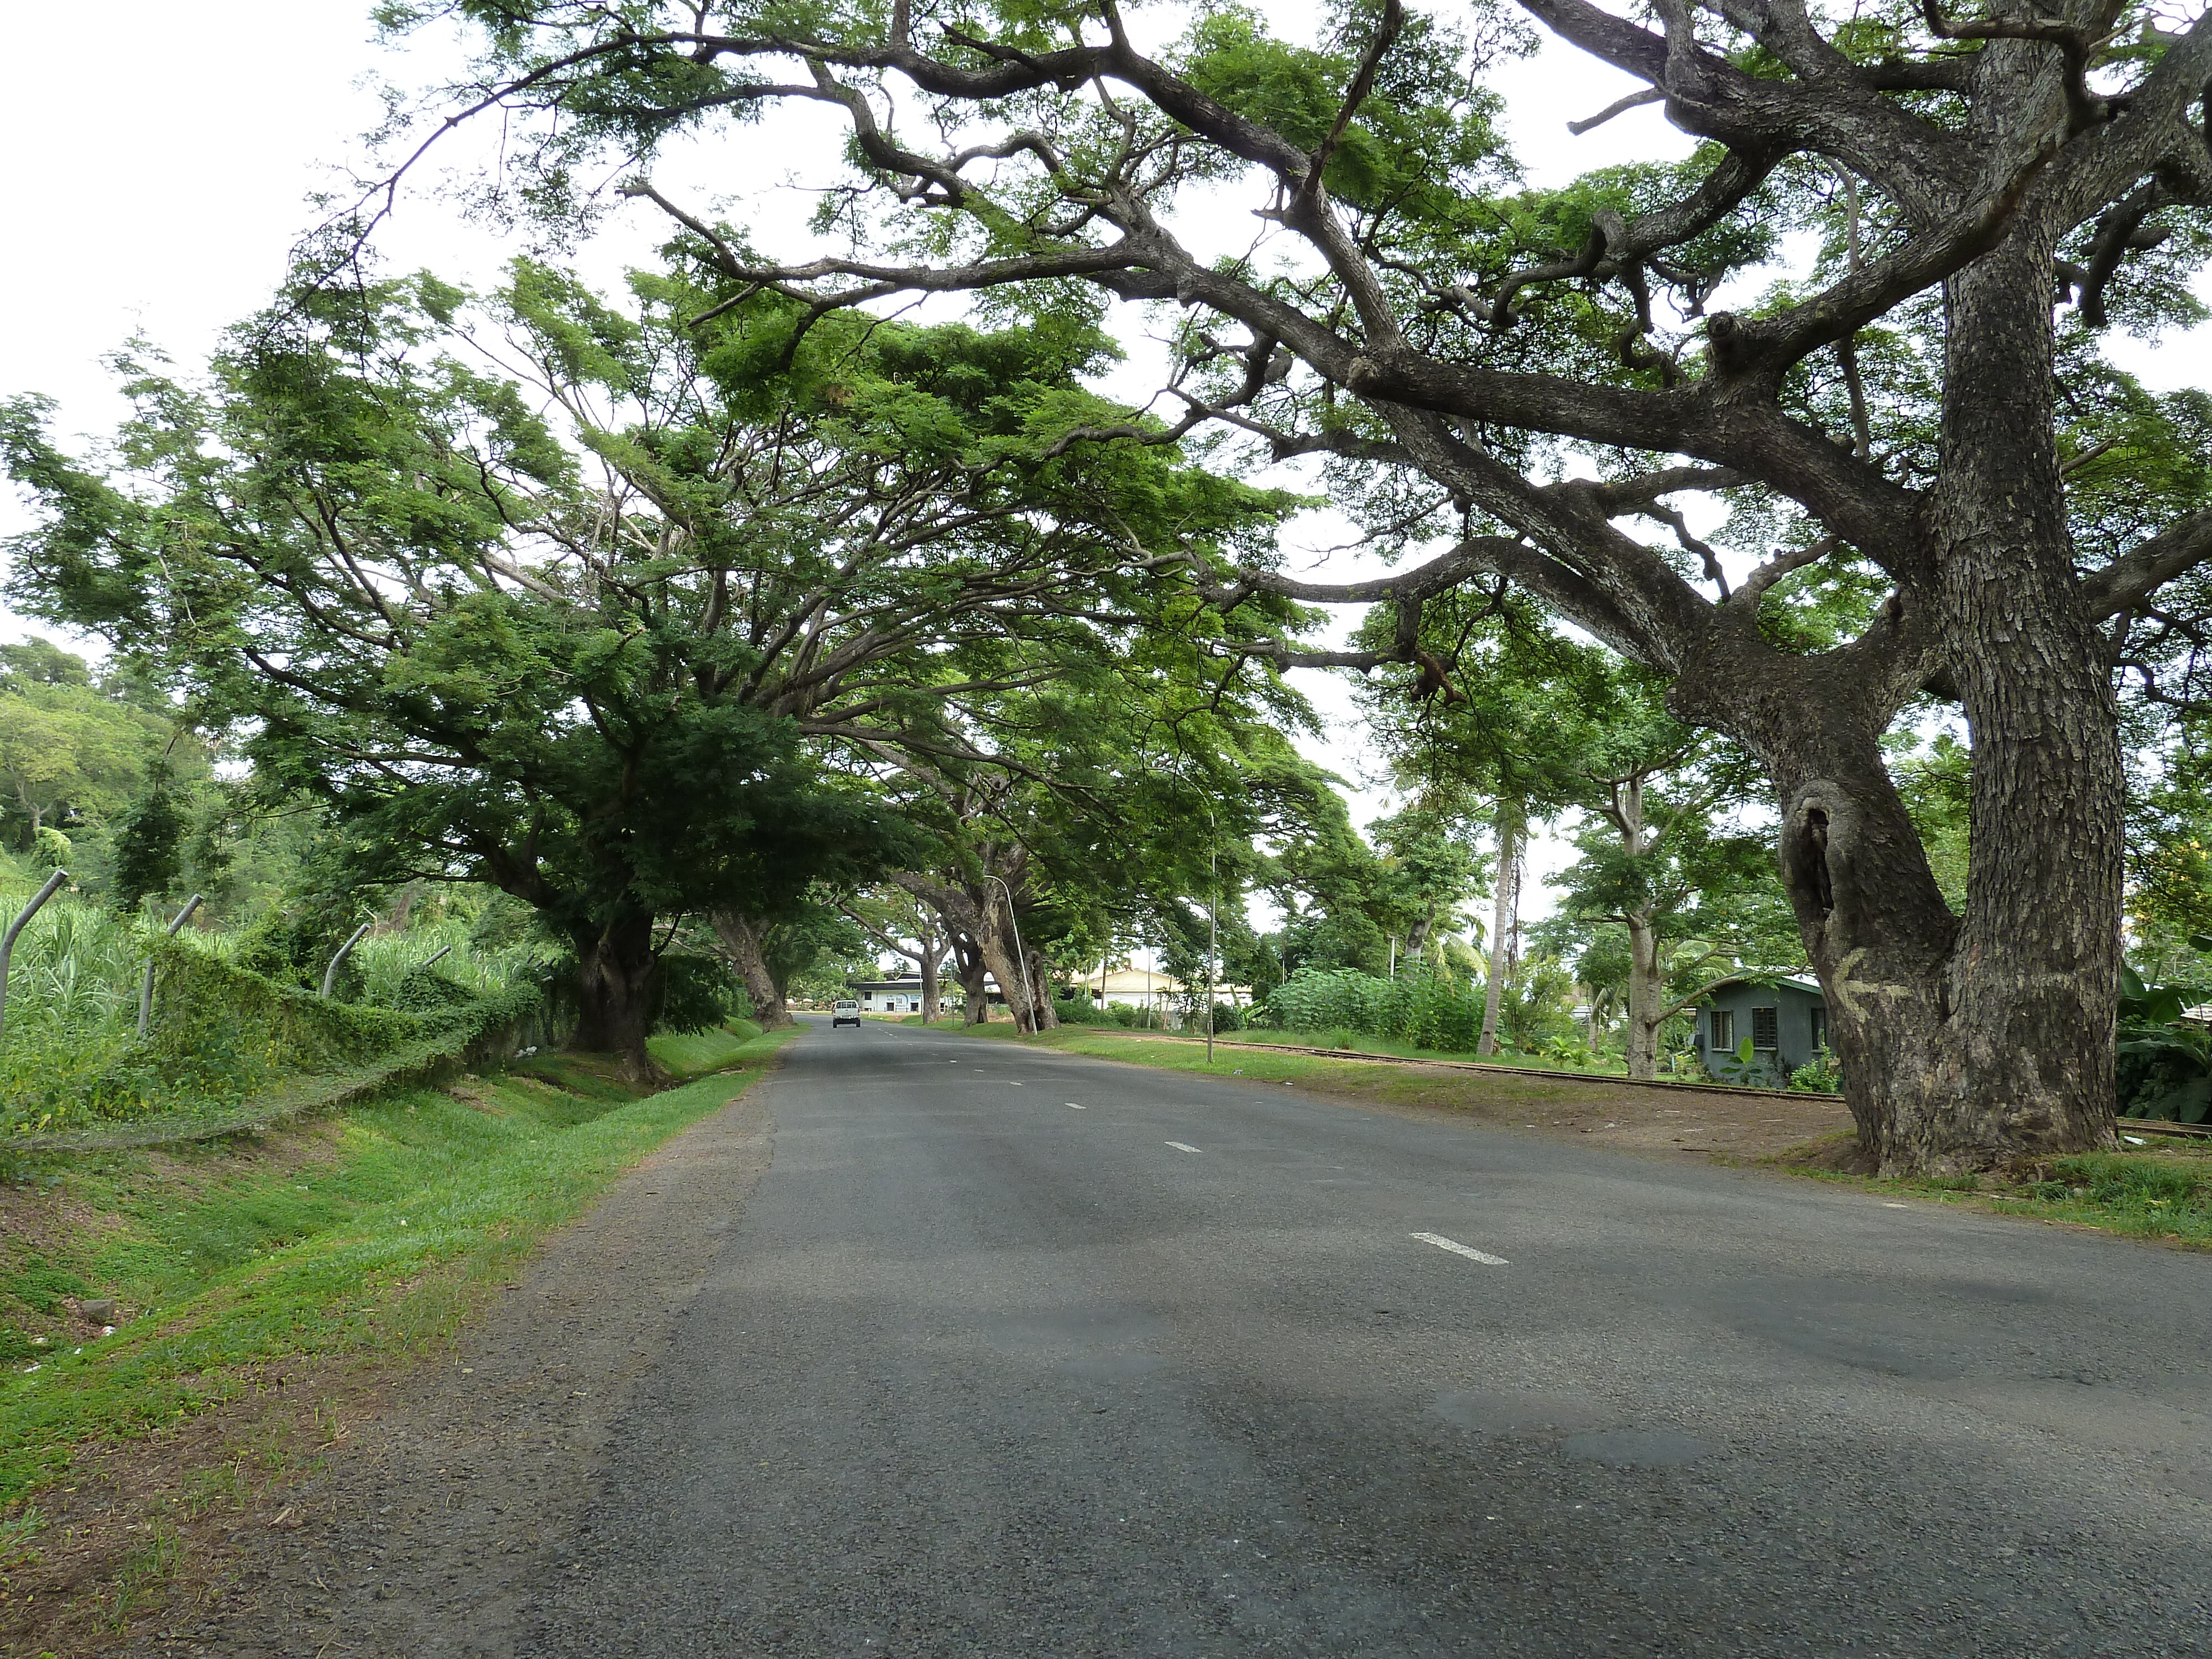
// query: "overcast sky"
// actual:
[[159, 174]]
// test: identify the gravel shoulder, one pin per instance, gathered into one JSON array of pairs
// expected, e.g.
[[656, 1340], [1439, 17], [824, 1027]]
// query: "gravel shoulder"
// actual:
[[415, 1532]]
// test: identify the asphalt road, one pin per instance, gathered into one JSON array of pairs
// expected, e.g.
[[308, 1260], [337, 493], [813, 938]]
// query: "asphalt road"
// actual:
[[1206, 1368]]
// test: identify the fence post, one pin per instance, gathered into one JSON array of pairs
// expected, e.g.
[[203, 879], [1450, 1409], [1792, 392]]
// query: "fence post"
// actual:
[[146, 985], [330, 973], [8, 942], [432, 958]]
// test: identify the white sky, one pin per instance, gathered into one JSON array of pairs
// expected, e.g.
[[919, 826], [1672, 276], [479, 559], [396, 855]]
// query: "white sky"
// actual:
[[161, 194]]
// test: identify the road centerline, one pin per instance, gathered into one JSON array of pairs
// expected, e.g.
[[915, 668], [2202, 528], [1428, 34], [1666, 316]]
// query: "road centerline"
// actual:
[[1458, 1248], [1180, 1147]]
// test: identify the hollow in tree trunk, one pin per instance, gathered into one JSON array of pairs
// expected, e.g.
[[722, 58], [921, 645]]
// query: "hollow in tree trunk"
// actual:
[[614, 989]]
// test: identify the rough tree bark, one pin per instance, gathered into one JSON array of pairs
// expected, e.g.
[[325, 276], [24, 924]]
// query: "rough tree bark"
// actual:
[[1966, 1044], [968, 964], [744, 937], [615, 970], [1646, 995], [1511, 825]]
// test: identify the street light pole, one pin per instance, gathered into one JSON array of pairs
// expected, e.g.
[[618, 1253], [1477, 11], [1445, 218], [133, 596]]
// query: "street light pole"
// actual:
[[1021, 956]]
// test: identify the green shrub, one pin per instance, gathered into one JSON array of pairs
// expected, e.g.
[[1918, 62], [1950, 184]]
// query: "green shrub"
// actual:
[[1081, 1010], [1819, 1075], [1420, 1007], [692, 992]]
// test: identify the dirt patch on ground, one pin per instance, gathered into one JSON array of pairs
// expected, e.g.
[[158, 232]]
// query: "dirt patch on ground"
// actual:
[[144, 1530], [1666, 1118], [370, 1512], [1676, 1121]]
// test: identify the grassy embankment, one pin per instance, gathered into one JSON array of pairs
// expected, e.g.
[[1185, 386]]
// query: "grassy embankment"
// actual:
[[1503, 1094], [366, 1234], [2159, 1191], [1347, 1042], [2154, 1192]]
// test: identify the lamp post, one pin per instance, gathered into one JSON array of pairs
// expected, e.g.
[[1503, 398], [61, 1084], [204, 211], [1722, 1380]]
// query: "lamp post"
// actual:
[[1021, 956]]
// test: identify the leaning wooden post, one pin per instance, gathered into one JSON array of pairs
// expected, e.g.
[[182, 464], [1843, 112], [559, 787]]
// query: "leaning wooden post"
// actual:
[[330, 973], [146, 985], [8, 943]]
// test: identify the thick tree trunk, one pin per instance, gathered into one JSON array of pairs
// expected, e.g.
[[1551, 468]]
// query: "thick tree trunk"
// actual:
[[1647, 998], [1987, 1041], [2033, 981], [744, 937], [971, 968], [931, 960], [614, 989], [1047, 1016], [977, 916], [997, 955], [1501, 923]]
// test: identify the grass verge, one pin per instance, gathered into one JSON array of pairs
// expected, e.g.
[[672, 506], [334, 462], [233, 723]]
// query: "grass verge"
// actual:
[[1506, 1095], [2160, 1193], [370, 1233], [1350, 1042]]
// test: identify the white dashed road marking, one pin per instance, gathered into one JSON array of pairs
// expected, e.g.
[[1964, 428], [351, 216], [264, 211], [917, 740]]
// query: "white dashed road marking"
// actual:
[[1013, 1085], [1072, 1107], [1180, 1147], [1458, 1248]]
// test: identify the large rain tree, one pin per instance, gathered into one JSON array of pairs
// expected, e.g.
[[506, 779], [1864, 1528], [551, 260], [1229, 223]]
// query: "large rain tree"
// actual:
[[599, 661], [1989, 189]]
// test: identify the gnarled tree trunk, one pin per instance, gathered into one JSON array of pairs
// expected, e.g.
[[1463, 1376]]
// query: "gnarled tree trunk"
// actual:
[[977, 915], [744, 937], [968, 963], [1986, 1040], [614, 991]]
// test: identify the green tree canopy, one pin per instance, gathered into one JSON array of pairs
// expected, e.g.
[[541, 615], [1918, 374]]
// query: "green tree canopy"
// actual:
[[601, 662], [1532, 385]]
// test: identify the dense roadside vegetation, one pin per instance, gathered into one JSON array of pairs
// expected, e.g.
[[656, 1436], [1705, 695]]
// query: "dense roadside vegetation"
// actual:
[[365, 1236]]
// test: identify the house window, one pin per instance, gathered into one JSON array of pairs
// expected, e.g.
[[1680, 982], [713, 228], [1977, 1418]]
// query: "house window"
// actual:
[[1818, 1013], [1723, 1028], [1763, 1024]]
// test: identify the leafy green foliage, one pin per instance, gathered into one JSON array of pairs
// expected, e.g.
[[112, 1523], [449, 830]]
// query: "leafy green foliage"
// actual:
[[1420, 1007], [2164, 1060], [149, 837], [618, 701]]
